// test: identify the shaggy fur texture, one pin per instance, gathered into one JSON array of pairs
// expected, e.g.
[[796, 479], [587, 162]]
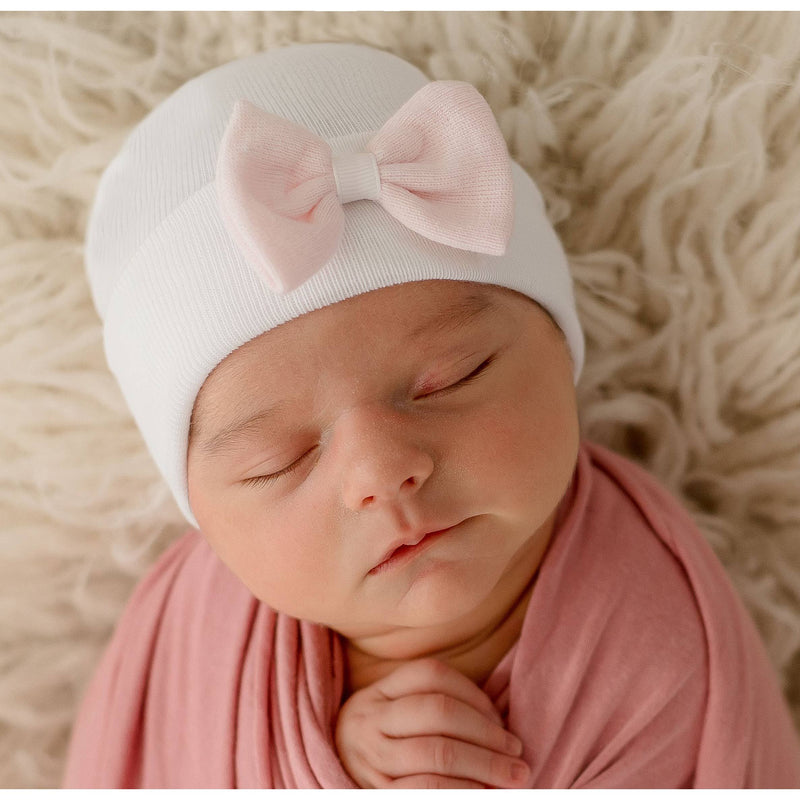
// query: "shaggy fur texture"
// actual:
[[666, 145]]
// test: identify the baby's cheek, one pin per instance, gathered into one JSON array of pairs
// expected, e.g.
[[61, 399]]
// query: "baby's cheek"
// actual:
[[506, 437], [524, 457], [282, 563], [266, 554]]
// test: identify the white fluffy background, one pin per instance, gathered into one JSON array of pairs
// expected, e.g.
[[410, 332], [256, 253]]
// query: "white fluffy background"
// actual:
[[668, 148]]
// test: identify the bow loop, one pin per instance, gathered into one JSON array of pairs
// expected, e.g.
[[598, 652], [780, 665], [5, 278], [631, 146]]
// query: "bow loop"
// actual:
[[445, 168], [439, 165]]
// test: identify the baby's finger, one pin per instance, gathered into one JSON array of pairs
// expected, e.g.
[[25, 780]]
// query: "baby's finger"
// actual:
[[431, 675], [437, 713], [431, 782], [441, 755]]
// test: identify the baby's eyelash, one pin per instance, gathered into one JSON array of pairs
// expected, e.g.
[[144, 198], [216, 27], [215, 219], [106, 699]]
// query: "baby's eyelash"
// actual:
[[464, 381], [263, 480]]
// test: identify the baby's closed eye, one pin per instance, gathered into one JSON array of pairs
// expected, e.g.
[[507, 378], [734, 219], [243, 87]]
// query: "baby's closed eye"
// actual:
[[263, 480], [463, 381]]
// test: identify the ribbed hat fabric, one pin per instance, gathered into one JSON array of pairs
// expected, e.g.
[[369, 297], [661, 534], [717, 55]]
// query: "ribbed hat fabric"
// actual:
[[175, 293]]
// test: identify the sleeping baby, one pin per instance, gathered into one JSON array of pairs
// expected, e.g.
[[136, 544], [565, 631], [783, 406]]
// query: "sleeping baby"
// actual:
[[347, 333]]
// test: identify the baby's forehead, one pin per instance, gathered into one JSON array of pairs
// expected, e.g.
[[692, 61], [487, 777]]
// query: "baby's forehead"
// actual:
[[409, 312], [405, 316]]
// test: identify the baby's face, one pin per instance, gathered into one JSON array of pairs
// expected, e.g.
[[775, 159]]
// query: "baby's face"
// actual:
[[403, 410]]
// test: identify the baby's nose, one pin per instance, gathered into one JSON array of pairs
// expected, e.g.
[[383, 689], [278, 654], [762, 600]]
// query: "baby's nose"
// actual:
[[382, 462]]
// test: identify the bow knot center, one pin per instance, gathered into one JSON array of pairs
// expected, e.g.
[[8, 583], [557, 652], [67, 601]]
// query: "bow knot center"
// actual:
[[357, 176]]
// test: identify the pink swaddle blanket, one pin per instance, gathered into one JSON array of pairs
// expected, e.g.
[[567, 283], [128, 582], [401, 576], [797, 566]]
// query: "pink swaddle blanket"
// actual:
[[637, 666]]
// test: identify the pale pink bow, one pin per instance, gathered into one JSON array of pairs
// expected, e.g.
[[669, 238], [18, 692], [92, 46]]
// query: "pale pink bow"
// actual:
[[439, 165]]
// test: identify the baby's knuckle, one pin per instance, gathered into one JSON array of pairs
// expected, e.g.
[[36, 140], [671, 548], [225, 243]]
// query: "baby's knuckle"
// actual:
[[348, 722], [433, 782], [444, 755], [499, 767], [423, 781], [354, 717], [492, 733], [380, 781], [434, 668], [379, 755], [442, 705]]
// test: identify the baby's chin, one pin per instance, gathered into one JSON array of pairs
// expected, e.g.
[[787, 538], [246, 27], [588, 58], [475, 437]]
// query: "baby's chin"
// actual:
[[440, 597]]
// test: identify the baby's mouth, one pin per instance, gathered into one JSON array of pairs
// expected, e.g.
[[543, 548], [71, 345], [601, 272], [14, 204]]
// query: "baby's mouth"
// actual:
[[404, 552]]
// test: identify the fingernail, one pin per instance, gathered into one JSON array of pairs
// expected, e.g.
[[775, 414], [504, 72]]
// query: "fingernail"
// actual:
[[519, 771]]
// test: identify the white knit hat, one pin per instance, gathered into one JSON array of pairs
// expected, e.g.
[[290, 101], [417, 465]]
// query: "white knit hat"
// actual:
[[174, 288]]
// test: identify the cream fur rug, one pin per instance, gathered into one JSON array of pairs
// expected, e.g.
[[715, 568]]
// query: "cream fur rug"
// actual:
[[668, 148]]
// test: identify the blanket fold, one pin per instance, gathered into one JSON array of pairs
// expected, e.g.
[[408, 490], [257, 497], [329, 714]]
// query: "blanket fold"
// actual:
[[637, 666]]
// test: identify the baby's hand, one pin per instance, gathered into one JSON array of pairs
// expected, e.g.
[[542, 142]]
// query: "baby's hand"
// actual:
[[427, 726]]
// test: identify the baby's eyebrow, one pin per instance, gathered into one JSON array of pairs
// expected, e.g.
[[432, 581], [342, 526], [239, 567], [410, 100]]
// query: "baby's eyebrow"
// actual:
[[455, 316], [225, 439]]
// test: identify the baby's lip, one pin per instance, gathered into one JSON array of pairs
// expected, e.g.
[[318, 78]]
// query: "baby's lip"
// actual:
[[412, 538]]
